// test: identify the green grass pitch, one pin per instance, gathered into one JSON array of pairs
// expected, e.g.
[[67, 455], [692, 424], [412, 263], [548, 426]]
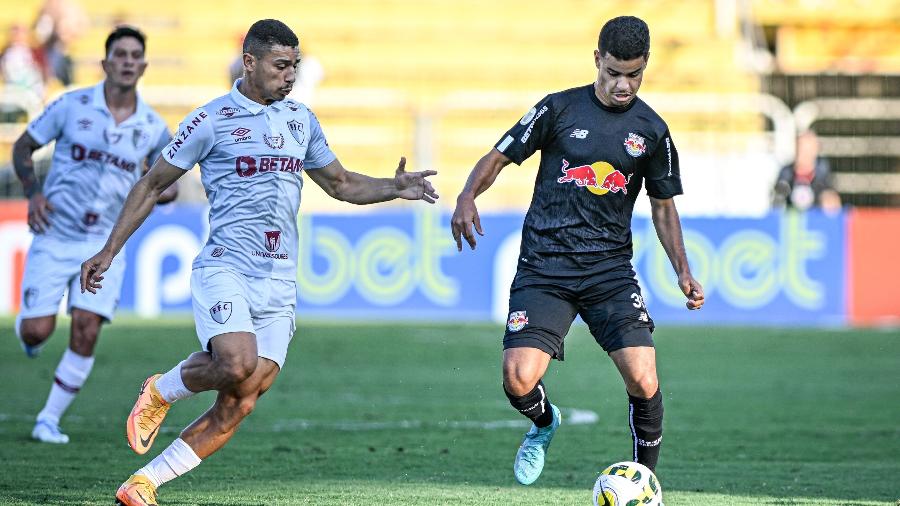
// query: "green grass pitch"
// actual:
[[407, 414]]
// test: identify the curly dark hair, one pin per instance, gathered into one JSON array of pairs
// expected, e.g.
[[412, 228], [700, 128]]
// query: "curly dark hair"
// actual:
[[266, 33], [625, 38], [123, 31]]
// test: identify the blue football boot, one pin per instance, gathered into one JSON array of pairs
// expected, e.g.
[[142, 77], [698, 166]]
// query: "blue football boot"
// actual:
[[530, 458]]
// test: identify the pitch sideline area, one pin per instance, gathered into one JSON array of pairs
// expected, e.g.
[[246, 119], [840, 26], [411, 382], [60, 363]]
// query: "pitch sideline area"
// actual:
[[414, 414]]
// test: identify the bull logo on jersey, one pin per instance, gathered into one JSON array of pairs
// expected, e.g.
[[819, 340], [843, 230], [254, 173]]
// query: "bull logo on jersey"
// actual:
[[599, 177], [274, 141], [296, 129], [220, 312], [635, 145], [273, 240]]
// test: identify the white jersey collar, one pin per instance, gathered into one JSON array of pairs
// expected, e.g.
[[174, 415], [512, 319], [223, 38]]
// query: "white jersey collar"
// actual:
[[254, 107], [141, 108]]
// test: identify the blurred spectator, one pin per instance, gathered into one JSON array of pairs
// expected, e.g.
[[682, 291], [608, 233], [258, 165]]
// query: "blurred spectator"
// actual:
[[807, 182], [58, 24], [21, 64]]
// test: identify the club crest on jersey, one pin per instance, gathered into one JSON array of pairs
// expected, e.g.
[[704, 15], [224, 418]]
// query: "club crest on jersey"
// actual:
[[635, 145], [274, 141], [139, 138], [296, 129], [220, 312], [273, 240], [31, 295], [517, 321]]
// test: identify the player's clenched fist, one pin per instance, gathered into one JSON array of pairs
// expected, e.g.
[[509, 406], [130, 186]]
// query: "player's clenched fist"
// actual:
[[92, 271]]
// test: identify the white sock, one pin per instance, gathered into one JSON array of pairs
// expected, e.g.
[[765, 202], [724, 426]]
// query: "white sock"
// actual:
[[174, 461], [171, 386], [72, 371]]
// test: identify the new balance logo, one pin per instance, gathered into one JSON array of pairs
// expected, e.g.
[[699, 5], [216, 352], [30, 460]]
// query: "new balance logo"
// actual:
[[579, 133]]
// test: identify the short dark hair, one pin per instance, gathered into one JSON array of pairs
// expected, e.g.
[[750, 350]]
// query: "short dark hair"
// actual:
[[266, 33], [625, 38], [123, 31]]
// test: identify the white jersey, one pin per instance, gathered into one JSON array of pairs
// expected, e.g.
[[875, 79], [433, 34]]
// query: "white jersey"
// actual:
[[251, 160], [95, 162]]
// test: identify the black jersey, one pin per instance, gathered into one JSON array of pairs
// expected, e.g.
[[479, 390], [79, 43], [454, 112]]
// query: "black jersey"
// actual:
[[594, 160]]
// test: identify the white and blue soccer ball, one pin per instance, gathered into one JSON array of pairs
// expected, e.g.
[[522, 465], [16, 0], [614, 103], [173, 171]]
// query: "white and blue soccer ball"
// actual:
[[627, 484]]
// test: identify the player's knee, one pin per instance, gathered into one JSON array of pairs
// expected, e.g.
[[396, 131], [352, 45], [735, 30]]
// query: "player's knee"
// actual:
[[237, 369], [644, 387], [35, 331], [518, 378]]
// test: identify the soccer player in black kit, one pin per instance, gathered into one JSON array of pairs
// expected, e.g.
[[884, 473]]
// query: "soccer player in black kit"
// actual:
[[599, 144]]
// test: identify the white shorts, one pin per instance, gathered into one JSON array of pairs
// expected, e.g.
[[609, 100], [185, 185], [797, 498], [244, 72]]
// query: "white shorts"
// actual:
[[54, 265], [226, 301]]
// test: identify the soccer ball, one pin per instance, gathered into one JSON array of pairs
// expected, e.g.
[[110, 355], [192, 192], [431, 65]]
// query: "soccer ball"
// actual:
[[627, 484]]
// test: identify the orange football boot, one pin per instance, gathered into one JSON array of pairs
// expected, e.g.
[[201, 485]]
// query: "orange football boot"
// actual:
[[136, 491], [146, 416]]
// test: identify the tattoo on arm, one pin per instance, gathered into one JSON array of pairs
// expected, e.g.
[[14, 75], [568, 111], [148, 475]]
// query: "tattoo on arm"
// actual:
[[23, 163]]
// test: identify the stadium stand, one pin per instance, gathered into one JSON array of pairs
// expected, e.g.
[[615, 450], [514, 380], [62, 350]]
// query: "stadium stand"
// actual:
[[441, 81]]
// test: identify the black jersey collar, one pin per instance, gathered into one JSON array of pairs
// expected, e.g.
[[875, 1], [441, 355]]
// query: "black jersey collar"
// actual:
[[614, 110]]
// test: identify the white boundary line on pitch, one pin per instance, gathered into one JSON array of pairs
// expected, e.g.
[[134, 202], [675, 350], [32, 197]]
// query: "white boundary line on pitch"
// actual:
[[571, 416]]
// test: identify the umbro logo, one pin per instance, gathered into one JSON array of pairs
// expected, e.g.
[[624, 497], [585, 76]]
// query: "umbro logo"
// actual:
[[241, 134], [579, 133]]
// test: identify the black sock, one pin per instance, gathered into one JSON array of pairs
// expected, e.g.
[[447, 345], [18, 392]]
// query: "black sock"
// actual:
[[534, 405], [645, 418]]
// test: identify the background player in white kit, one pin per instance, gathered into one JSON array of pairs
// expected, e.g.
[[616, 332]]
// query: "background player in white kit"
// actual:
[[105, 138], [253, 147]]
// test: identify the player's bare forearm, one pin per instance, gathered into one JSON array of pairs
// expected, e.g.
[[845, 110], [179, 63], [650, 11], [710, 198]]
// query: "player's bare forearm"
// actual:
[[668, 229], [484, 174], [23, 163], [140, 201], [361, 189], [169, 194], [465, 216]]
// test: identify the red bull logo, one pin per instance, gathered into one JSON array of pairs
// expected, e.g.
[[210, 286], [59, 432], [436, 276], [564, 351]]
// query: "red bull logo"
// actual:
[[586, 176]]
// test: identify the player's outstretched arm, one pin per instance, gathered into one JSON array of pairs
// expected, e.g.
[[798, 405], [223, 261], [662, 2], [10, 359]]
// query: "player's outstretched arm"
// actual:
[[480, 179], [668, 229], [356, 188], [138, 205], [39, 207]]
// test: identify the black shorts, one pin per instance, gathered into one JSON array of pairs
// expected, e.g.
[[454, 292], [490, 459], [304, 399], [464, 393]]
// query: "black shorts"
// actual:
[[542, 308]]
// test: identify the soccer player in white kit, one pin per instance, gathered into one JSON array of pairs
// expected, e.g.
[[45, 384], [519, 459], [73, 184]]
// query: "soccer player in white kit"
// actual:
[[253, 147], [105, 137]]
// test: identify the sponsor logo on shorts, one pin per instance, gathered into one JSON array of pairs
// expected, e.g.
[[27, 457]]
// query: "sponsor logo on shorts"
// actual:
[[643, 317], [217, 251], [220, 312], [31, 295], [517, 321]]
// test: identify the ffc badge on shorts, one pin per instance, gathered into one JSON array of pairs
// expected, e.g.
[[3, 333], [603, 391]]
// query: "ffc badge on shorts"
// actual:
[[517, 321], [220, 312]]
